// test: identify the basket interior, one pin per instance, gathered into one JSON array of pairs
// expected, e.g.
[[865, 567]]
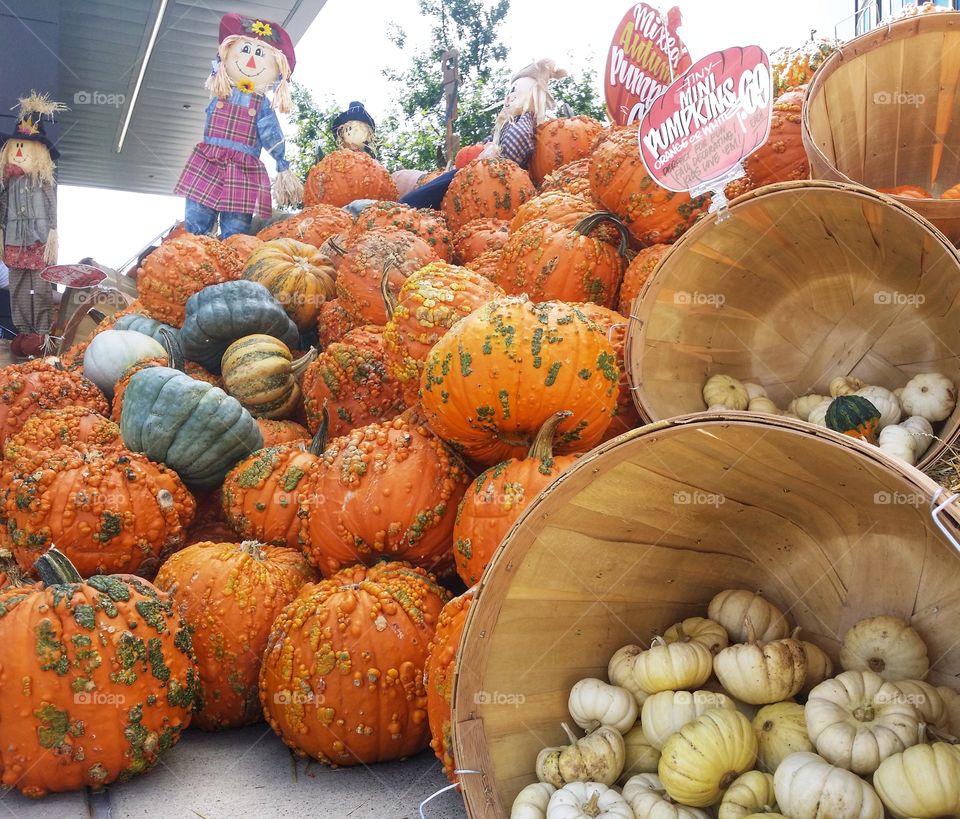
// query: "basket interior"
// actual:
[[801, 283], [645, 532]]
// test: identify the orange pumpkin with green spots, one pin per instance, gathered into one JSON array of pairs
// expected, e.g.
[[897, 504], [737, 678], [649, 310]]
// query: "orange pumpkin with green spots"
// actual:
[[109, 510], [636, 275], [571, 178], [384, 491], [492, 381], [479, 236], [276, 432], [486, 188], [313, 225], [54, 428], [497, 497], [565, 209], [426, 223], [342, 675], [344, 176], [229, 595], [560, 141], [441, 666], [101, 685]]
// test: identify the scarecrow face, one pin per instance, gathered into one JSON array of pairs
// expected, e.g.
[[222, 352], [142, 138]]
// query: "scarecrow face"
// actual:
[[353, 135], [516, 99], [251, 65], [27, 155]]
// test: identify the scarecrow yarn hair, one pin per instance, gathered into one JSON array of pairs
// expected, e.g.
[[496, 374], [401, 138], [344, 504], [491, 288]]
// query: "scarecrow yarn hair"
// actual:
[[537, 100], [219, 85], [36, 103]]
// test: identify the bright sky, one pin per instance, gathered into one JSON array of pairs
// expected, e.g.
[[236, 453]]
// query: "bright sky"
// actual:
[[342, 54]]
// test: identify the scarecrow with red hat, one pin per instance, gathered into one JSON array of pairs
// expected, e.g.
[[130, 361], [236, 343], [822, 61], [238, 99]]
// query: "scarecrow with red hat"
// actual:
[[224, 177], [28, 221]]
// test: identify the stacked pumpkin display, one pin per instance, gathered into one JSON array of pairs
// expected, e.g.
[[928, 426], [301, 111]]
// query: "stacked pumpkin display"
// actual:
[[707, 718]]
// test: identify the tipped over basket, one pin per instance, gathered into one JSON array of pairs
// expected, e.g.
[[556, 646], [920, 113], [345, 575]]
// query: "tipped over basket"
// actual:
[[803, 282], [642, 532], [883, 111]]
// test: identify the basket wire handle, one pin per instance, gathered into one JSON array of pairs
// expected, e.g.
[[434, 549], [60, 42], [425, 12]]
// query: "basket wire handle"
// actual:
[[443, 790], [937, 508]]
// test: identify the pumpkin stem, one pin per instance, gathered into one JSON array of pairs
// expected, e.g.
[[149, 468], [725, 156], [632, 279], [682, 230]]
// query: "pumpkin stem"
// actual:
[[682, 636], [335, 246], [16, 578], [55, 568], [592, 808], [657, 641], [299, 365], [389, 301], [252, 548], [865, 713], [751, 631], [570, 735], [319, 442], [588, 223], [542, 447], [97, 315], [170, 342]]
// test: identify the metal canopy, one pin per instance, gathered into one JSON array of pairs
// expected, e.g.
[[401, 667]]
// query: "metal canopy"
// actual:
[[101, 49]]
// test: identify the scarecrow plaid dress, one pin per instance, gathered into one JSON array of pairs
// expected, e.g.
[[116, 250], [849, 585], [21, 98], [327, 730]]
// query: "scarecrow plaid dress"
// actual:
[[224, 171]]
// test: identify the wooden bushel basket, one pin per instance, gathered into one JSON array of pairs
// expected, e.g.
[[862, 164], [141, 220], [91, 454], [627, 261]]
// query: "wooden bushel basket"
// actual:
[[643, 531], [883, 111], [804, 281]]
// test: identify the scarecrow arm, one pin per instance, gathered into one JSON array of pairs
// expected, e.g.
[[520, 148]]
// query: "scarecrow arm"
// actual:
[[287, 188], [53, 244], [518, 140]]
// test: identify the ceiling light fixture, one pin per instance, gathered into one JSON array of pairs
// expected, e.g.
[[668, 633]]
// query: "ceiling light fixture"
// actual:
[[143, 71]]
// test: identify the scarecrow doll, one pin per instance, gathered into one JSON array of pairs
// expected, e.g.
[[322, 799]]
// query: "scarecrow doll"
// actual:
[[224, 176], [28, 222], [527, 104], [354, 129]]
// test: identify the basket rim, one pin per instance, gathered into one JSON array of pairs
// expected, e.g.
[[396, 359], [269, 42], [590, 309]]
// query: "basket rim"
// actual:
[[480, 794]]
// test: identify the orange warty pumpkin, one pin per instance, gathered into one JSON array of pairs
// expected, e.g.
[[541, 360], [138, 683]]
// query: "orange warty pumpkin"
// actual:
[[313, 225], [561, 141], [486, 264], [491, 188], [479, 236], [497, 497], [547, 260], [244, 244], [949, 193], [343, 176], [430, 302], [229, 594], [563, 209], [281, 432], [334, 322], [441, 666], [429, 177], [376, 252], [342, 675], [795, 66], [911, 192], [618, 179], [108, 510], [637, 273], [496, 376], [386, 490], [572, 178], [178, 269], [51, 429], [105, 685], [350, 377], [426, 223], [40, 385]]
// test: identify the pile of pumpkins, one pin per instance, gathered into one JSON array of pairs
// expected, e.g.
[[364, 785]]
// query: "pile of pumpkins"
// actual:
[[901, 421], [706, 722]]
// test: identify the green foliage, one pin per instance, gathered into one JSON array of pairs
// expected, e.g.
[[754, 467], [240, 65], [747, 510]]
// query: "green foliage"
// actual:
[[313, 129], [580, 89]]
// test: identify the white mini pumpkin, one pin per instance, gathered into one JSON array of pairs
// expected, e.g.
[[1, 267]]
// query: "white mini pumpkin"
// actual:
[[808, 787], [754, 390], [887, 646], [930, 395], [731, 607], [749, 794], [532, 801], [801, 406], [922, 432], [886, 403], [845, 385], [666, 712], [726, 391], [921, 782], [673, 666], [781, 730], [819, 665], [763, 404], [857, 719], [699, 629], [111, 353], [597, 757], [928, 701], [593, 703], [639, 755], [588, 800], [759, 673], [818, 415], [897, 441], [620, 671], [649, 800]]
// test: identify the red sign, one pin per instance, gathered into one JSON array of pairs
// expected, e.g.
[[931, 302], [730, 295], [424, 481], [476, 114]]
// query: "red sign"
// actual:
[[646, 55], [73, 275], [709, 120]]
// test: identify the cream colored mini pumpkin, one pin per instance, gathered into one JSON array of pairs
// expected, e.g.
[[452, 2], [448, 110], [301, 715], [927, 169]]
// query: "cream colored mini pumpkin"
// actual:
[[928, 702], [887, 646], [922, 782], [897, 441], [819, 665], [781, 730], [749, 794], [672, 667], [648, 799], [886, 403], [667, 712], [597, 757], [818, 415], [763, 404], [801, 406], [588, 800], [620, 671], [761, 673], [951, 701], [705, 757], [532, 801], [639, 755], [725, 391], [930, 395], [922, 432], [856, 720], [700, 630], [730, 607], [754, 390], [845, 385], [593, 703], [809, 787]]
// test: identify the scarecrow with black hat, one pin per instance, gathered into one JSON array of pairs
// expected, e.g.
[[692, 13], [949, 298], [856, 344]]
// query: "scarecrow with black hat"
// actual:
[[224, 176], [28, 221], [354, 129]]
